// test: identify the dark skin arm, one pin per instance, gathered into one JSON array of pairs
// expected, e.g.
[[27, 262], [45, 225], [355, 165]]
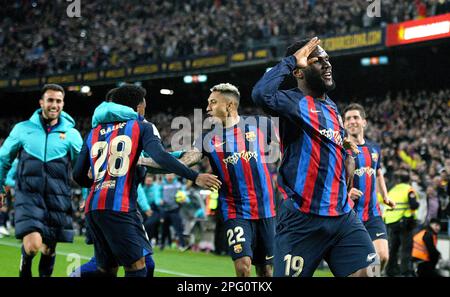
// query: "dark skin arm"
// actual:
[[349, 170]]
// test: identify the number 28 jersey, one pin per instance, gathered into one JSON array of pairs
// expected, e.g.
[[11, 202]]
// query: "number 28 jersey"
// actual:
[[112, 151]]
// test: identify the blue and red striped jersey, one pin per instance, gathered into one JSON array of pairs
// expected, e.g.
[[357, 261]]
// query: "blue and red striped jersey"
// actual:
[[112, 151], [367, 163], [312, 171], [238, 157]]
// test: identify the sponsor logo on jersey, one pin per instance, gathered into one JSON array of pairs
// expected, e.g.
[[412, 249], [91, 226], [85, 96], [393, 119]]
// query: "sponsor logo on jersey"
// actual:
[[105, 185], [234, 158], [367, 170], [332, 135]]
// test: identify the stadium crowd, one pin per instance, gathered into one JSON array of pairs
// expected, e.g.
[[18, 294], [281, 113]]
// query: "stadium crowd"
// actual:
[[164, 29]]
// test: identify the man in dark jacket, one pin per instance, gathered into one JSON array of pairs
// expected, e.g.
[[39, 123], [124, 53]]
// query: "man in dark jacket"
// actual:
[[47, 145], [425, 251]]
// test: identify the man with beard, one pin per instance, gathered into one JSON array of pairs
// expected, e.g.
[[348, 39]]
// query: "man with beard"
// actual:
[[46, 145], [316, 220]]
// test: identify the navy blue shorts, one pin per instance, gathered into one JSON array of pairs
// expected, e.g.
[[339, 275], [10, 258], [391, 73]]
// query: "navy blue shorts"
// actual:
[[252, 238], [303, 240], [119, 238], [376, 228]]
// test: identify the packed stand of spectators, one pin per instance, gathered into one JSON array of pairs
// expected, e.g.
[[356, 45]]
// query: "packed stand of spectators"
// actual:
[[38, 38]]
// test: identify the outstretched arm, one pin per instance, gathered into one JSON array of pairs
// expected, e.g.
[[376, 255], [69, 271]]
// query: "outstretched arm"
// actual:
[[153, 147], [191, 157], [266, 91], [188, 158]]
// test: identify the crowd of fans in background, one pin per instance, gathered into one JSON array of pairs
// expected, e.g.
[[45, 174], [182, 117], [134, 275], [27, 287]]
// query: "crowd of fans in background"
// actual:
[[121, 33]]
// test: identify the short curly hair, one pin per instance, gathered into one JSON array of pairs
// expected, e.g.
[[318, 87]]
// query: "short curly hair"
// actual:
[[227, 89]]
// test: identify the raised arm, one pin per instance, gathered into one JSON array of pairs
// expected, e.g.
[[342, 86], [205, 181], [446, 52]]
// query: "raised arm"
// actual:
[[266, 92]]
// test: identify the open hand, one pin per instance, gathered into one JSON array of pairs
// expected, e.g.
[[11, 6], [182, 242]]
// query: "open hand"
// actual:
[[302, 54]]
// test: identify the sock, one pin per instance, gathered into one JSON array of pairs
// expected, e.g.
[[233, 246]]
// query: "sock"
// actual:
[[150, 265], [86, 269], [136, 273], [25, 264], [46, 264]]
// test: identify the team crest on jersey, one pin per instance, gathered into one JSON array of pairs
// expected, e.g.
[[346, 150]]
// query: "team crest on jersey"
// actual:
[[62, 136], [250, 136], [238, 248], [374, 157]]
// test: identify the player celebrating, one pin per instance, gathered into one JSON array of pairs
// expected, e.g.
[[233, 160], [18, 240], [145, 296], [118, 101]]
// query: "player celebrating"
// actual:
[[315, 219], [237, 149], [46, 144], [112, 149], [368, 177]]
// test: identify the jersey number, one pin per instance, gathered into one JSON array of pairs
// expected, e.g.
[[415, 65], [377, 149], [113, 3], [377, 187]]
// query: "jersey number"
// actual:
[[100, 149], [239, 231], [295, 263]]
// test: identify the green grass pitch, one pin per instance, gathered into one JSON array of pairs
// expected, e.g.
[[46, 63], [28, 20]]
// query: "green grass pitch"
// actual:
[[169, 263]]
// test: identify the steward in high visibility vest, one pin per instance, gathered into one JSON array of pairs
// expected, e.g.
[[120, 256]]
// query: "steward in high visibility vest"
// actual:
[[400, 223], [406, 203], [424, 249], [212, 201]]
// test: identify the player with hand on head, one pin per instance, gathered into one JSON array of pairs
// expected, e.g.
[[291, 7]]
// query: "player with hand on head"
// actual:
[[315, 219]]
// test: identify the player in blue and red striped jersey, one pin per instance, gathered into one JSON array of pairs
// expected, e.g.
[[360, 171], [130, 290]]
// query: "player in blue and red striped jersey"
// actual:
[[112, 149], [368, 178], [315, 219], [238, 151]]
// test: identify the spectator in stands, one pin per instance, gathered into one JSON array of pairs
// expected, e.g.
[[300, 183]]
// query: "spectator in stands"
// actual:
[[116, 33]]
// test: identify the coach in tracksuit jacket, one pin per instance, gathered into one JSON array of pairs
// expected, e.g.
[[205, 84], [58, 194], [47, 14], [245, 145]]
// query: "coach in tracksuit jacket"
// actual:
[[47, 145]]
